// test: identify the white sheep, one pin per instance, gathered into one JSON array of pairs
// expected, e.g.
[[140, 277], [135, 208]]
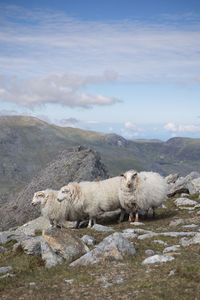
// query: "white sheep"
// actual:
[[56, 212], [141, 191], [92, 198]]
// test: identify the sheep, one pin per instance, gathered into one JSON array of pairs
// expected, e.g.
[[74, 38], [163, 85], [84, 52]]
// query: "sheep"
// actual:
[[56, 212], [92, 198], [141, 191]]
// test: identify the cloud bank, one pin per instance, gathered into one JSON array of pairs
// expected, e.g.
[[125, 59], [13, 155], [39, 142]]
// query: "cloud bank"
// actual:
[[56, 88]]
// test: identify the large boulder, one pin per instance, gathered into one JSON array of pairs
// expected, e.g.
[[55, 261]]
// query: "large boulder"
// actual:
[[75, 164], [182, 184]]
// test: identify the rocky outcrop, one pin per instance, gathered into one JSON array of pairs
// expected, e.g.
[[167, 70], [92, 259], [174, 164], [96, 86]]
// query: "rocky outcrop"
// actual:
[[75, 164], [189, 184]]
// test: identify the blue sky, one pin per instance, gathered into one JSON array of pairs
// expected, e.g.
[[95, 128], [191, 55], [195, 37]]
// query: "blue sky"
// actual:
[[128, 67]]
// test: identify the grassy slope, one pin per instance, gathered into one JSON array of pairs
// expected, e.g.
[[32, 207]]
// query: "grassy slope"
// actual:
[[139, 282]]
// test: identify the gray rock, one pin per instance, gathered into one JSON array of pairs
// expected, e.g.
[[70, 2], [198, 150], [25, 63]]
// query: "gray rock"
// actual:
[[50, 258], [184, 241], [182, 184], [115, 246], [176, 222], [129, 233], [32, 246], [190, 226], [194, 186], [169, 234], [65, 243], [198, 213], [157, 259], [5, 269], [182, 202], [172, 272], [137, 223], [7, 275], [88, 240], [98, 227], [172, 178], [70, 281], [2, 249], [160, 242], [171, 249], [149, 252], [32, 284], [33, 227], [11, 235]]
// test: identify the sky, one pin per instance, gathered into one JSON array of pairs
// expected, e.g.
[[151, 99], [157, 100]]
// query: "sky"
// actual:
[[126, 67]]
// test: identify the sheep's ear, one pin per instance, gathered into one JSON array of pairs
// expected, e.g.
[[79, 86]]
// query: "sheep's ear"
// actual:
[[40, 194], [134, 175]]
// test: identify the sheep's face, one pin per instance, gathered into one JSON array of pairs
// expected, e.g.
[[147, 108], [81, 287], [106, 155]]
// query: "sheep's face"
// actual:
[[38, 198], [129, 178], [63, 193]]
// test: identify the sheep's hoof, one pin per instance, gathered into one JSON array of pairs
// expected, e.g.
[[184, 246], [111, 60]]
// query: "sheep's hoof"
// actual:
[[131, 219]]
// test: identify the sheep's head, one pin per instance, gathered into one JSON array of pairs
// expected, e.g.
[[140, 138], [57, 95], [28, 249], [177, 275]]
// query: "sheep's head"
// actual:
[[39, 197], [62, 194], [129, 178]]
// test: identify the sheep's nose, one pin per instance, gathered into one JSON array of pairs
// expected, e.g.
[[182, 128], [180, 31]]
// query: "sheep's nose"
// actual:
[[128, 184]]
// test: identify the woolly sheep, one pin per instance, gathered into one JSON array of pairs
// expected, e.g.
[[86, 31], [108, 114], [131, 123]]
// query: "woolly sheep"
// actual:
[[92, 198], [141, 191], [56, 212]]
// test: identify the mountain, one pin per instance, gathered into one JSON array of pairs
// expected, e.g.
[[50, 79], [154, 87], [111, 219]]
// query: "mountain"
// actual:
[[75, 164], [27, 145]]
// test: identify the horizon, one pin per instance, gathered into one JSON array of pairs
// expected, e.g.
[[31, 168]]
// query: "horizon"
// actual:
[[128, 68]]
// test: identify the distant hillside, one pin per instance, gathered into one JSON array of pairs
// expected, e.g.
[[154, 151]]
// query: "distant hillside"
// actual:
[[28, 144]]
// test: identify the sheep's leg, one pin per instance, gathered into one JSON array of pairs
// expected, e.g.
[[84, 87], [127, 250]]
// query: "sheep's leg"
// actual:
[[77, 224], [90, 223], [154, 212], [146, 214], [121, 217], [136, 216], [131, 218]]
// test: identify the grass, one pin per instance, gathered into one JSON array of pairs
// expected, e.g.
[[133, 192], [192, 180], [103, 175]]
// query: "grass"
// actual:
[[138, 281]]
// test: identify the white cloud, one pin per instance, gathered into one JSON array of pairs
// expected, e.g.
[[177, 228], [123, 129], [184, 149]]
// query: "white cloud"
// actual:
[[70, 122], [131, 126], [56, 88], [181, 128], [46, 41]]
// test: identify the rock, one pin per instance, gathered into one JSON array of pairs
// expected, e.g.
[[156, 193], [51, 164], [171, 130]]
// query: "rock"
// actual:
[[185, 202], [115, 246], [190, 226], [184, 241], [157, 259], [50, 258], [171, 178], [194, 186], [70, 281], [88, 240], [149, 252], [129, 233], [32, 284], [176, 222], [172, 272], [11, 235], [7, 275], [5, 269], [147, 235], [98, 227], [171, 249], [184, 195], [181, 185], [64, 243], [34, 227], [137, 223], [169, 234], [160, 242], [32, 246], [198, 213], [2, 249]]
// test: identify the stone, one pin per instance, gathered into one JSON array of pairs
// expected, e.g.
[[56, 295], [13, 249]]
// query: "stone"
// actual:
[[98, 227], [32, 246], [176, 222], [172, 272], [115, 246], [190, 226], [181, 185], [171, 249], [185, 202], [194, 186], [88, 240], [137, 223], [198, 213], [5, 269], [2, 249], [160, 242], [129, 233], [70, 281], [172, 178], [184, 241], [169, 234], [157, 259], [50, 258], [65, 243], [7, 275], [149, 252], [34, 227]]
